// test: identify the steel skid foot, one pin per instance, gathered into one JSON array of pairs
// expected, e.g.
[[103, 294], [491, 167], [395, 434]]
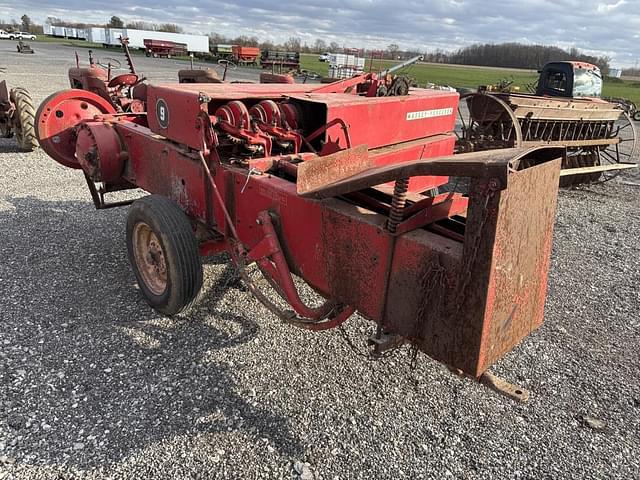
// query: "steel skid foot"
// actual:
[[383, 342], [503, 387]]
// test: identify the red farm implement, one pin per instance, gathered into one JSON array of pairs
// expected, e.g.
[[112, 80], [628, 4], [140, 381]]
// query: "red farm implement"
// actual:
[[565, 110], [97, 77], [333, 186], [245, 55], [164, 48], [17, 116]]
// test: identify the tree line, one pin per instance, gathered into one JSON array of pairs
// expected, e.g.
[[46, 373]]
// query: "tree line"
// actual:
[[517, 55]]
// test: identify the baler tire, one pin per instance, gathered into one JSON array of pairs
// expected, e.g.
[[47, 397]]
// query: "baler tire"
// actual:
[[636, 116], [25, 115], [179, 248]]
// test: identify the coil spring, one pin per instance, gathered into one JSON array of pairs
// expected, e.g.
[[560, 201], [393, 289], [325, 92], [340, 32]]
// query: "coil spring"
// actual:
[[398, 202]]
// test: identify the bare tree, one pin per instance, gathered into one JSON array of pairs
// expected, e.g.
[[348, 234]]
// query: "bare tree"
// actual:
[[293, 44], [140, 25], [393, 50], [319, 45], [169, 27]]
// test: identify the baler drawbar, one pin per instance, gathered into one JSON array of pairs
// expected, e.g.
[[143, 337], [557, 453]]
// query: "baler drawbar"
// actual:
[[330, 186]]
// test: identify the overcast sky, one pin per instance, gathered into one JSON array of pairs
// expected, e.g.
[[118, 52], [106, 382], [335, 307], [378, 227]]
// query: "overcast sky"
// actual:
[[601, 27]]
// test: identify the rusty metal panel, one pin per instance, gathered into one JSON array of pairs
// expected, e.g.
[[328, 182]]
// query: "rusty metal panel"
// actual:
[[173, 113], [171, 173], [343, 163], [520, 261], [502, 284], [422, 292], [356, 249], [485, 164], [468, 305]]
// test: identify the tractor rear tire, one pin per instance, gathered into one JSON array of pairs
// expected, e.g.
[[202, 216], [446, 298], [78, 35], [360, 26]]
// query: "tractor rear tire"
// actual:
[[24, 120], [164, 254]]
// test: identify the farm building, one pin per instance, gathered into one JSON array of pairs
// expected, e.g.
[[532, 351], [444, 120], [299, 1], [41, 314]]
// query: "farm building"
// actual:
[[615, 72], [111, 36]]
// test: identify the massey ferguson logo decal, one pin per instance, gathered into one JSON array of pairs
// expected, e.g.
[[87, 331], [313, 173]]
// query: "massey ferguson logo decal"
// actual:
[[422, 114], [162, 113]]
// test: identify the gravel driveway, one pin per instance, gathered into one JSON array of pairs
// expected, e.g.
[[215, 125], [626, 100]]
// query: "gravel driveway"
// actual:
[[95, 385]]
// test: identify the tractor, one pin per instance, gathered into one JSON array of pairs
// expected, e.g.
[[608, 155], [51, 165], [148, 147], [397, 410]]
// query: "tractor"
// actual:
[[98, 78], [17, 116]]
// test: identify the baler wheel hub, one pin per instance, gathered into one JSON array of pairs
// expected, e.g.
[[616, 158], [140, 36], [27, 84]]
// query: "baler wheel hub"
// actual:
[[150, 259]]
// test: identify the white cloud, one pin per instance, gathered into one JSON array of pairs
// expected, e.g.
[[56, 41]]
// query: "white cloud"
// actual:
[[607, 7]]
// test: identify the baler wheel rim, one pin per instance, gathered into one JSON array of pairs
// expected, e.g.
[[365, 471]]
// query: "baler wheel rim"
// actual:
[[172, 278], [150, 258]]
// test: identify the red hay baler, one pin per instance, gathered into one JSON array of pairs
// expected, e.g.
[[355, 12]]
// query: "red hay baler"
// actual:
[[334, 188]]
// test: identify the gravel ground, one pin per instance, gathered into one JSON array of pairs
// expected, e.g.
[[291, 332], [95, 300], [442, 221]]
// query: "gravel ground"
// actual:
[[95, 385]]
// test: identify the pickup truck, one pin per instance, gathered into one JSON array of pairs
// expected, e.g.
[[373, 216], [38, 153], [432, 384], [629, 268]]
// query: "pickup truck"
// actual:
[[16, 35]]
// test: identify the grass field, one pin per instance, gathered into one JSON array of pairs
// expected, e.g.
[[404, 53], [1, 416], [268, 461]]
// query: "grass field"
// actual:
[[471, 77], [69, 42]]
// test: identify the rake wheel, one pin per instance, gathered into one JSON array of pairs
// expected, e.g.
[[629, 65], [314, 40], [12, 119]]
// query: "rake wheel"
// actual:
[[487, 123]]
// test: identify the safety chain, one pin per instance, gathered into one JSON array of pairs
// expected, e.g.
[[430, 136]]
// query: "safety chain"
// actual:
[[490, 191], [432, 277]]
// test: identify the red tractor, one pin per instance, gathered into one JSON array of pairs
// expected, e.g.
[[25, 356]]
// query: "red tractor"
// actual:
[[98, 78], [17, 116]]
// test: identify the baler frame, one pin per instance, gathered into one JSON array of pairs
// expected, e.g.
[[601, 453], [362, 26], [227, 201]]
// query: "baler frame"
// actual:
[[294, 179]]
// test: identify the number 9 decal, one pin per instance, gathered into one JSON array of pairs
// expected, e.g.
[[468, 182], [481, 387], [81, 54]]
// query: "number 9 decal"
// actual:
[[162, 113]]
